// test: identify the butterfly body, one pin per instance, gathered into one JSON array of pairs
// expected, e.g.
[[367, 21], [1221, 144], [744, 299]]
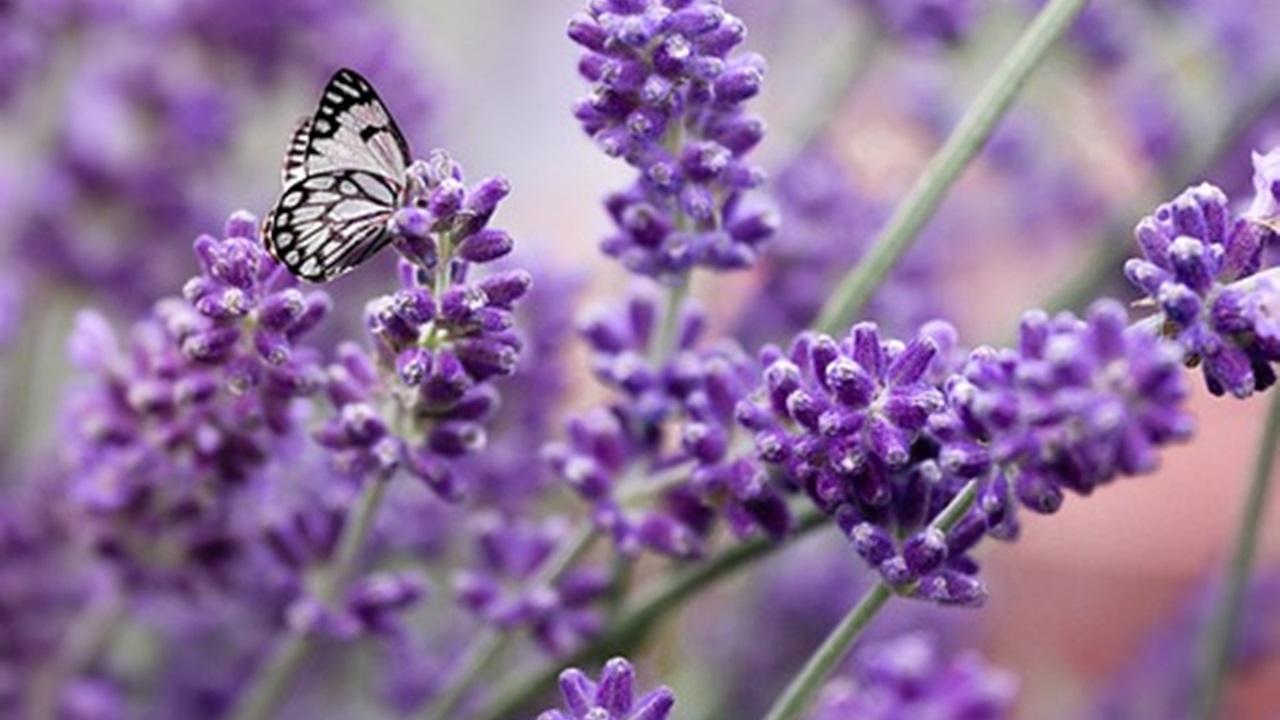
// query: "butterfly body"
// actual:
[[344, 177]]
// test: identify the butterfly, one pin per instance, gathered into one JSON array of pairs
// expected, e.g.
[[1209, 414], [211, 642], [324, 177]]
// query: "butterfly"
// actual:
[[344, 177]]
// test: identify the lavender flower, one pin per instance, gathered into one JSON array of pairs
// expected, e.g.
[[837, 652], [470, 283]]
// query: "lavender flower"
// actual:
[[667, 97], [438, 341], [691, 395], [612, 698], [882, 434], [1195, 250], [907, 677], [167, 428], [499, 588]]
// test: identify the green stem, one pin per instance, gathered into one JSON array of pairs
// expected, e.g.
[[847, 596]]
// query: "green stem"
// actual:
[[492, 644], [270, 683], [664, 343], [511, 697], [856, 288], [1222, 630], [828, 655], [824, 660]]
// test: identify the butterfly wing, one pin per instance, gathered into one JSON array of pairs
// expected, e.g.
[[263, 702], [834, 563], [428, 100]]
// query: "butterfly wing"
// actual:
[[351, 129], [295, 157], [327, 223]]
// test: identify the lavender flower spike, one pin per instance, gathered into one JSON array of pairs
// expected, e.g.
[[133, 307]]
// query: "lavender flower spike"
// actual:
[[1195, 251], [667, 96], [612, 698]]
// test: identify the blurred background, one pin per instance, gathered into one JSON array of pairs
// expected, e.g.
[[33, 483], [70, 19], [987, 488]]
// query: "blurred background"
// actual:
[[129, 127]]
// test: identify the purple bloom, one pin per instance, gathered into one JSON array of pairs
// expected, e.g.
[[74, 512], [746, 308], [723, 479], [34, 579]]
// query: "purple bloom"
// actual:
[[908, 678], [1196, 250], [883, 434], [613, 697], [438, 341], [500, 590], [170, 426], [1075, 404], [668, 97], [690, 397], [928, 21]]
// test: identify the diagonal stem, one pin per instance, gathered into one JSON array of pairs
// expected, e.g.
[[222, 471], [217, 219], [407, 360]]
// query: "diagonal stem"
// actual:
[[1220, 639], [856, 288]]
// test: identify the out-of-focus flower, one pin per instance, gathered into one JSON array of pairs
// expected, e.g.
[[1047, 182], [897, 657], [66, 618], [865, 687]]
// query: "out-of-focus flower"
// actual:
[[908, 678], [668, 96], [500, 590], [689, 396], [613, 697], [928, 21], [169, 425]]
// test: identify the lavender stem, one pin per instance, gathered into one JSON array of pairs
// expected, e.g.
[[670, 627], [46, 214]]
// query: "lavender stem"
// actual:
[[857, 287], [824, 660], [1221, 635]]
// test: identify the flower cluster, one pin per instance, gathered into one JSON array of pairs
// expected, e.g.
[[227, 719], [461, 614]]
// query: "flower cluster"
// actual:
[[504, 588], [438, 341], [667, 96], [1196, 253], [690, 397], [882, 435], [167, 427], [613, 697], [907, 678]]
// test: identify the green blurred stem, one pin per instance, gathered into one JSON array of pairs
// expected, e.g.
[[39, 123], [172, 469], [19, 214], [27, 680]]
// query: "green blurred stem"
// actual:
[[1222, 630], [856, 288], [800, 691], [270, 683], [492, 644], [631, 625]]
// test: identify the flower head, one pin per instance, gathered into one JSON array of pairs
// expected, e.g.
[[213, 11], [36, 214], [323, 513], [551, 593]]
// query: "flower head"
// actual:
[[1196, 250], [668, 96], [611, 698]]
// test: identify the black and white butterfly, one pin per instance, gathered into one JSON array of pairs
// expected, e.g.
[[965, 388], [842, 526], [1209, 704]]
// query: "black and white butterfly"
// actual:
[[344, 178]]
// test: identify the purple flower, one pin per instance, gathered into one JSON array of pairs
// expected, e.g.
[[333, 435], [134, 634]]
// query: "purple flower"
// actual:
[[613, 697], [928, 21], [438, 341], [170, 424], [1196, 250], [689, 397], [668, 97], [500, 590], [883, 434], [1075, 404], [908, 678]]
